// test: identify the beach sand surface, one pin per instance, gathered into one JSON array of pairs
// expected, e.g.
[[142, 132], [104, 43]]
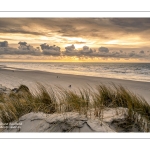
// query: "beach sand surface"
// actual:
[[13, 78]]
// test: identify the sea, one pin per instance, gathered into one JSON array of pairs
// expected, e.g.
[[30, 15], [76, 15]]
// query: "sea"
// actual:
[[127, 71]]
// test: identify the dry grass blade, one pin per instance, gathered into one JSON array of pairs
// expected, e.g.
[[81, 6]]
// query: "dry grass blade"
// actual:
[[62, 100]]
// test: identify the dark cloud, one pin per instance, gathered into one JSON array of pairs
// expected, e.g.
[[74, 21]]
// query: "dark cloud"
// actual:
[[23, 49], [50, 50], [71, 51], [17, 25], [101, 52], [122, 54], [103, 49], [86, 51], [132, 24], [104, 28], [21, 31], [142, 52], [4, 44], [22, 43], [135, 54], [132, 54]]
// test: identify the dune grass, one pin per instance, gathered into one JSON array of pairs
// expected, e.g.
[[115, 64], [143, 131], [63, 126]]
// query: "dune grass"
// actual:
[[138, 110], [61, 100]]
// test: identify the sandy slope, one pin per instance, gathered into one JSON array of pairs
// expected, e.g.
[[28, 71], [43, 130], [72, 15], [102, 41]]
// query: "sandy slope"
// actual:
[[11, 79], [68, 122]]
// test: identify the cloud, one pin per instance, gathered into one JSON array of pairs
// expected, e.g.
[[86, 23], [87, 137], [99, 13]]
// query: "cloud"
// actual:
[[50, 50], [103, 49], [22, 43], [79, 42], [18, 26], [131, 24], [142, 52], [70, 48], [23, 49], [71, 51], [86, 51], [102, 52], [101, 28], [105, 53], [132, 54], [78, 30], [4, 44], [47, 50]]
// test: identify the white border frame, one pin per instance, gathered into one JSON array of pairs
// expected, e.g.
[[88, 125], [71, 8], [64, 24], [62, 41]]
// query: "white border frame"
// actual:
[[73, 14]]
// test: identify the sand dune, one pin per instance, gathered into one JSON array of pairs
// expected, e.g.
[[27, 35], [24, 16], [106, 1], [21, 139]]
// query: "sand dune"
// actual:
[[68, 122]]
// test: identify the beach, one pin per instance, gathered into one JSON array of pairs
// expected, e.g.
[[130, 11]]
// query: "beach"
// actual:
[[12, 78]]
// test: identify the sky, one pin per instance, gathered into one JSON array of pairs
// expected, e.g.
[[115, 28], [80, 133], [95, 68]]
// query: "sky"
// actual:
[[75, 39]]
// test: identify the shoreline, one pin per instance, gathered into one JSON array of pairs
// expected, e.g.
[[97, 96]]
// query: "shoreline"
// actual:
[[14, 78], [30, 70], [80, 73]]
